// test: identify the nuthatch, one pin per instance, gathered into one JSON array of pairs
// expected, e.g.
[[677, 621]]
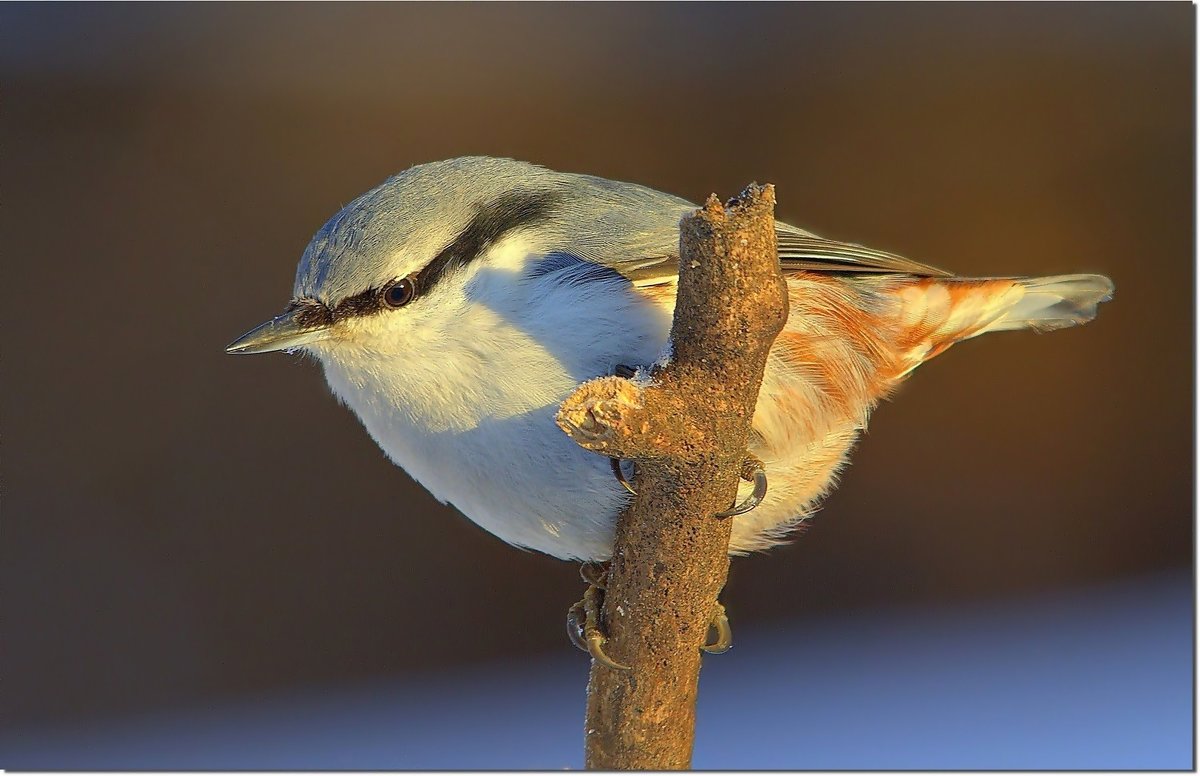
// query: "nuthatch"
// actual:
[[456, 305]]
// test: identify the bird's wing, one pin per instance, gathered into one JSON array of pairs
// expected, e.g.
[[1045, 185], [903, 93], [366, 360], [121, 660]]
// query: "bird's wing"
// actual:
[[798, 250], [801, 250]]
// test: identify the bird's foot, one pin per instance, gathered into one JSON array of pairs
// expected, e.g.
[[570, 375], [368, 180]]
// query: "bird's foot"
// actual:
[[583, 619], [724, 639], [754, 471], [626, 371], [595, 573], [615, 463], [586, 633]]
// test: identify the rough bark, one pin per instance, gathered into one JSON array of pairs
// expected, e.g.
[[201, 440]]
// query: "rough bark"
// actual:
[[687, 430]]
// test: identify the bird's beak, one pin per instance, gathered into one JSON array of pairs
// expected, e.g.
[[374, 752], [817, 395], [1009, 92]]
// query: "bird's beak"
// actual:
[[283, 332]]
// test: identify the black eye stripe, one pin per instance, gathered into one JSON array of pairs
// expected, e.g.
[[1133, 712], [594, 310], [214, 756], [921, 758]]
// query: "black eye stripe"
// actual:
[[508, 212], [310, 312]]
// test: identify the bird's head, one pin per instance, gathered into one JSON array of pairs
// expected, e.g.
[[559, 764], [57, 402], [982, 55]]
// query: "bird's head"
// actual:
[[390, 272]]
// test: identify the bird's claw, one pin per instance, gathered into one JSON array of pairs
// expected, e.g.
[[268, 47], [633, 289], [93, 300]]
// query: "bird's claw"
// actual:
[[583, 619], [595, 574], [752, 471], [626, 371], [620, 475], [719, 623], [575, 619]]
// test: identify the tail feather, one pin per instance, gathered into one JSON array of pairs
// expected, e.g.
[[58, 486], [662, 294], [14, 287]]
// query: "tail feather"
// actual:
[[1055, 302], [935, 313]]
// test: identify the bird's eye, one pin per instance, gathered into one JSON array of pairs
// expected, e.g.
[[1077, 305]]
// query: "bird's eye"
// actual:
[[399, 293]]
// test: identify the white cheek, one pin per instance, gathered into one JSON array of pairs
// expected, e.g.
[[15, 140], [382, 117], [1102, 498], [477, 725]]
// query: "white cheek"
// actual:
[[447, 366]]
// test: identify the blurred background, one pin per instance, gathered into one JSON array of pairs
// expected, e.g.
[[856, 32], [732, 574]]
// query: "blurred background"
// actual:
[[208, 563]]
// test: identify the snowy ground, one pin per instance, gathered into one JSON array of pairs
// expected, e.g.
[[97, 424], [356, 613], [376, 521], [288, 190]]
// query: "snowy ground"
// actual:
[[1100, 679]]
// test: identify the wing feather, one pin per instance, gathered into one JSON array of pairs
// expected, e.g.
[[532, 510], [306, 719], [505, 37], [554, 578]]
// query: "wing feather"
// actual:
[[801, 250], [798, 250]]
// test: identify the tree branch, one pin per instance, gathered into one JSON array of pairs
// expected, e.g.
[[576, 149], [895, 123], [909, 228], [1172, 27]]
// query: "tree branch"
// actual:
[[688, 431]]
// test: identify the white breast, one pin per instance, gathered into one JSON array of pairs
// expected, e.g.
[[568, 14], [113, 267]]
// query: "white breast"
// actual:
[[466, 405]]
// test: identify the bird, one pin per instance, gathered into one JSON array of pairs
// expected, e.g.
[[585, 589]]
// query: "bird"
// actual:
[[456, 305]]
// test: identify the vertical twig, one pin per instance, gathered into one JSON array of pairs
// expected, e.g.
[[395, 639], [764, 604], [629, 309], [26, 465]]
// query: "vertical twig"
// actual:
[[688, 432]]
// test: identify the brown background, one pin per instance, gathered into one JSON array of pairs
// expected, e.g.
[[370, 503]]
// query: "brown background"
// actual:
[[180, 525]]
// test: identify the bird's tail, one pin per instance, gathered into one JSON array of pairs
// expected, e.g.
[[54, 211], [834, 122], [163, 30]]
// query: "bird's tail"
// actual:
[[935, 313], [1055, 302]]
